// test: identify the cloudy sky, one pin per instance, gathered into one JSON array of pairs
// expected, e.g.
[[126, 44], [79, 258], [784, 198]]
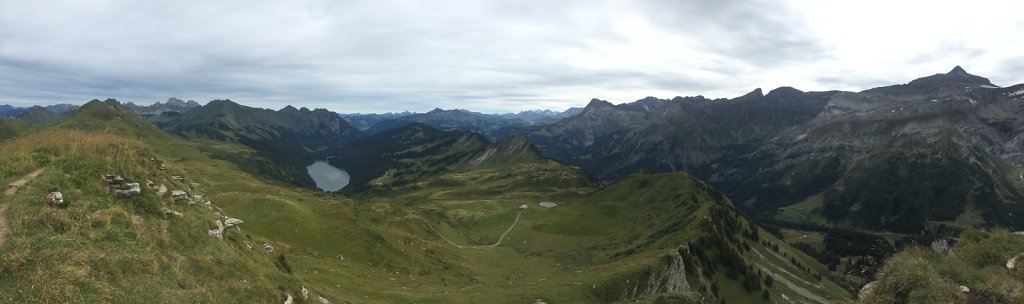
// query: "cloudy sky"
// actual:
[[489, 56]]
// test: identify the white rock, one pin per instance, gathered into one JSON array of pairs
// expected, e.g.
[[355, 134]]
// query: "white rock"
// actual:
[[1012, 263], [55, 198], [126, 190], [305, 293], [179, 195], [323, 300], [289, 300], [964, 289], [269, 248], [231, 223]]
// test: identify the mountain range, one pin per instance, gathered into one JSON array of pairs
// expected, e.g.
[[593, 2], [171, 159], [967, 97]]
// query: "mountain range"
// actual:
[[429, 229], [784, 197]]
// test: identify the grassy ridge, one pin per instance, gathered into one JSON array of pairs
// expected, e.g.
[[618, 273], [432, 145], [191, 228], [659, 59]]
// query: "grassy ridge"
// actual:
[[101, 249]]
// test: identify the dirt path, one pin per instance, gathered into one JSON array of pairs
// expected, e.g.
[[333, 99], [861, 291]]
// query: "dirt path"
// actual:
[[11, 189], [478, 247], [507, 231]]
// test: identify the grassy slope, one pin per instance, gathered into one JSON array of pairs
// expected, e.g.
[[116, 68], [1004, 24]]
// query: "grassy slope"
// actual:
[[101, 249], [381, 248], [920, 275]]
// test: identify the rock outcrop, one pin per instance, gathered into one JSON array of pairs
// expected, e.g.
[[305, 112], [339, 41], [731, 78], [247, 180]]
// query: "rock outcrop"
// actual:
[[126, 190], [178, 195], [223, 226]]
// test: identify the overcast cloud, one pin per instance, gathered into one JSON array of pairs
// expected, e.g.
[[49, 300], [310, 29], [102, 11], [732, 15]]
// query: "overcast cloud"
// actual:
[[490, 56]]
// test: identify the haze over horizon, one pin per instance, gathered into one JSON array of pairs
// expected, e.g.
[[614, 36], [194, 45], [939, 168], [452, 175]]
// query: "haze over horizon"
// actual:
[[391, 56]]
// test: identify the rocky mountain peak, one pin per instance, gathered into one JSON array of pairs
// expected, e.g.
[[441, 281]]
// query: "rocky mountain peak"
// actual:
[[756, 93], [595, 103], [957, 76], [174, 101], [957, 71]]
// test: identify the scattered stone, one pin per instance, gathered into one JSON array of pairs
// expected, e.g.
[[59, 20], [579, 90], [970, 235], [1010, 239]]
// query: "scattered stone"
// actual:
[[964, 289], [167, 212], [1012, 263], [223, 226], [305, 293], [523, 207], [540, 301], [1021, 233], [194, 184], [269, 248], [162, 167], [109, 178], [867, 290], [217, 232], [179, 195], [195, 200], [125, 190], [289, 299], [548, 204], [55, 198], [232, 223], [323, 300], [177, 177]]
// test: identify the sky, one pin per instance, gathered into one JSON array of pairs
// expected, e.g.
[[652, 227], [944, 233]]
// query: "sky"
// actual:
[[488, 56]]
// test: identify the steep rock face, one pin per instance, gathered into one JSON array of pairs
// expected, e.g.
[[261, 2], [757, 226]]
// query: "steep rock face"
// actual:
[[958, 134]]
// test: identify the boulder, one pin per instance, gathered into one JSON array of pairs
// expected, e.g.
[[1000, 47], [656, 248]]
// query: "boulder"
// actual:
[[548, 204], [232, 223], [179, 195], [964, 289], [223, 226], [322, 300], [195, 200], [125, 190], [305, 293], [1012, 263], [288, 299], [177, 177], [55, 198], [268, 247]]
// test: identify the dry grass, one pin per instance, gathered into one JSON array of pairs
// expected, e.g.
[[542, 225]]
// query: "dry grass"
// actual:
[[68, 149]]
